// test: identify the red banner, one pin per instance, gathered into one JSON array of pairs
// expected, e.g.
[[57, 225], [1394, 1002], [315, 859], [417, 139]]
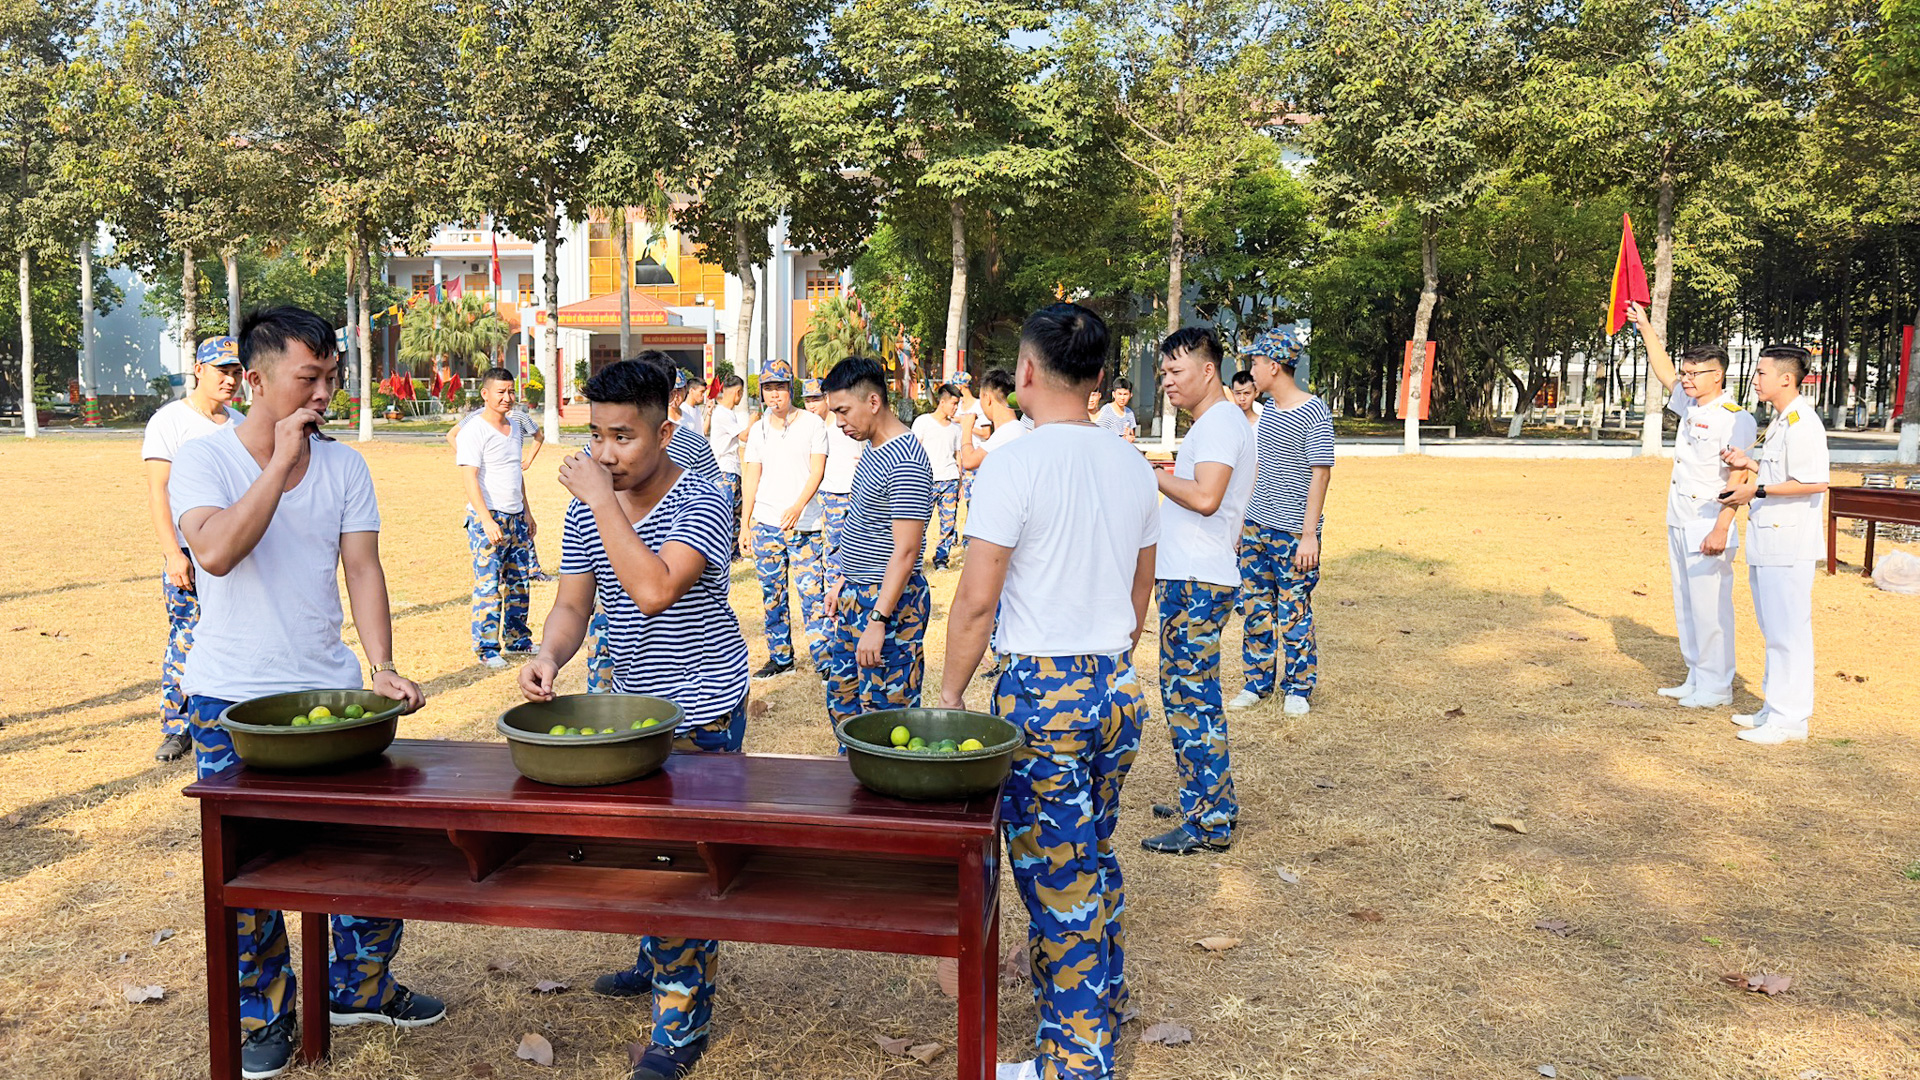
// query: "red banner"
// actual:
[[1629, 279]]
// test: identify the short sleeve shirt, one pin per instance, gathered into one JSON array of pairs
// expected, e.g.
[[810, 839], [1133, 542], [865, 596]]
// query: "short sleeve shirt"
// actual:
[[1787, 529], [941, 443], [785, 456], [1291, 442], [687, 448], [893, 482], [1699, 476], [843, 459], [1119, 421], [1206, 547], [497, 456], [175, 424]]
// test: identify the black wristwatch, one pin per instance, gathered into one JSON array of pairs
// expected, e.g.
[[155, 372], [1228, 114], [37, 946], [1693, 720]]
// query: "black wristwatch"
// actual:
[[1760, 491], [883, 620]]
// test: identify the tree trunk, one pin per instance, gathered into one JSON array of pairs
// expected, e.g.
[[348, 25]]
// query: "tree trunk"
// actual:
[[232, 261], [1422, 320], [1176, 289], [1656, 400], [1842, 397], [551, 339], [189, 309], [363, 334], [29, 410], [89, 378], [956, 293], [1910, 416], [624, 279], [739, 349]]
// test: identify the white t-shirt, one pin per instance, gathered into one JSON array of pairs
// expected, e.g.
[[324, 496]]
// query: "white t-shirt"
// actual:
[[272, 623], [942, 444], [1076, 506], [843, 457], [1782, 529], [1206, 547], [785, 457], [497, 456], [693, 416], [966, 417], [173, 425], [729, 426], [1005, 434]]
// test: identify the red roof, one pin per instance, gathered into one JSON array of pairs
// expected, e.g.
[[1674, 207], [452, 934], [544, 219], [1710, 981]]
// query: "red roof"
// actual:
[[604, 310]]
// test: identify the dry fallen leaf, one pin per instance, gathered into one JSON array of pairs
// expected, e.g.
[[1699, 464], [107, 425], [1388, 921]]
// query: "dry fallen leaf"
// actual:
[[1637, 592], [1454, 713], [1627, 703], [1546, 1070], [500, 965], [1217, 944], [892, 1046], [925, 1052], [548, 986], [947, 973], [1763, 983], [1167, 1034], [1366, 914], [1017, 965], [1322, 782], [1510, 824], [535, 1048], [480, 1070], [757, 709], [1288, 876], [140, 994], [1556, 927], [162, 935]]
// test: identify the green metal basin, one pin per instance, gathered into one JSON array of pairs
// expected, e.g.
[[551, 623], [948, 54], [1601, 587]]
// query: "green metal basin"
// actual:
[[590, 760], [264, 736], [915, 774]]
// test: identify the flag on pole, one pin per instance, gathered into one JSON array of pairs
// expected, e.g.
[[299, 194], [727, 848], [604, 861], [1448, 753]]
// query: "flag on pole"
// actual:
[[1629, 279], [436, 292], [496, 262], [457, 289]]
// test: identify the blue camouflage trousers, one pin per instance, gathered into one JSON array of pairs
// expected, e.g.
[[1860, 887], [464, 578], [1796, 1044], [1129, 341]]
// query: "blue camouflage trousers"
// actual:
[[1192, 614], [835, 505], [501, 573], [896, 682], [599, 656], [1080, 716], [362, 948], [946, 507], [1279, 601], [775, 552], [183, 611], [730, 483], [683, 969]]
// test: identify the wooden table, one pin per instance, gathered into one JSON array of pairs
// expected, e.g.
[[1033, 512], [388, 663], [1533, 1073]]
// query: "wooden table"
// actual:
[[741, 847], [1873, 504]]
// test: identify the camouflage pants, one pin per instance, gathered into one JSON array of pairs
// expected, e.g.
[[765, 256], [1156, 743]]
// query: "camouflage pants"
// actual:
[[1192, 614], [895, 683], [683, 969], [1279, 603], [775, 552], [1080, 716], [501, 573], [599, 656], [835, 506], [183, 611], [946, 507], [362, 948], [730, 483]]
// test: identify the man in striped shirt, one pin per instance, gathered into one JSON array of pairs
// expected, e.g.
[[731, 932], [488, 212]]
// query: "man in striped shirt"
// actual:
[[876, 657], [649, 541], [1280, 546]]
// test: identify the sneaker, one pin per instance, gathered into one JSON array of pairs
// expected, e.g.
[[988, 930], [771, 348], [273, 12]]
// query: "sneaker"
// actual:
[[1017, 1070], [494, 662], [772, 668], [1181, 841], [1296, 705], [1747, 720], [668, 1062], [268, 1051], [1706, 701], [1162, 810], [624, 984], [405, 1009], [522, 648], [1684, 690], [1245, 699], [173, 747], [1773, 733]]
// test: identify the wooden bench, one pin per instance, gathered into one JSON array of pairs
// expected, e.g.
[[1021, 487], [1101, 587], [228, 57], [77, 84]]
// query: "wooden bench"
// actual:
[[1872, 504], [740, 847]]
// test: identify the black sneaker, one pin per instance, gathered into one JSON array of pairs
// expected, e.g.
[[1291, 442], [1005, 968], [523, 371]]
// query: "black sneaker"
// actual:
[[772, 668], [268, 1051], [668, 1062], [1181, 841], [624, 984], [1163, 811], [405, 1009], [173, 748]]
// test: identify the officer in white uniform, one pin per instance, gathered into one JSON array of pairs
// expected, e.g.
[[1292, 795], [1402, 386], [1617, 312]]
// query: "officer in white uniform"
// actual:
[[1784, 540], [1700, 534]]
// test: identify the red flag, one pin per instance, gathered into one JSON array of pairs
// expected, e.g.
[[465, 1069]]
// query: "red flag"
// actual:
[[496, 262], [456, 288], [1629, 279]]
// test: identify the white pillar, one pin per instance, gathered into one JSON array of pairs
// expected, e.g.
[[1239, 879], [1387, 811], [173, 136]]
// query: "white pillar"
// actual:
[[89, 382]]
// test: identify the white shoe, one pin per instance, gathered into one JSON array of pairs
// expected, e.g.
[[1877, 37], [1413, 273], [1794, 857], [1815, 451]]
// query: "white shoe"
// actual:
[[1748, 720], [495, 662], [1295, 705], [1017, 1070], [1773, 733], [1245, 699], [1684, 690], [1706, 701]]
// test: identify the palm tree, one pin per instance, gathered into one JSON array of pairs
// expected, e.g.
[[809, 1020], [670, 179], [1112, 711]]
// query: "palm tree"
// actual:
[[465, 329], [836, 334]]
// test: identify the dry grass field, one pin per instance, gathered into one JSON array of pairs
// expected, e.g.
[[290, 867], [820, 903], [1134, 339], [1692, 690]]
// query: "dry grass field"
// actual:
[[1491, 637]]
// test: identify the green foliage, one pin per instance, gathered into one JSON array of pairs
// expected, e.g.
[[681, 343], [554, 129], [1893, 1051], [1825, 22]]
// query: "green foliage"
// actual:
[[835, 334], [467, 330]]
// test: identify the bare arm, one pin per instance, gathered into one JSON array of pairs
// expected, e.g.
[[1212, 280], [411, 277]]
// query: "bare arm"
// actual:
[[565, 629], [749, 490], [372, 616], [970, 616], [1657, 357], [971, 456], [1204, 493], [1143, 588], [539, 440], [160, 509], [816, 471], [1306, 556], [222, 537], [477, 502]]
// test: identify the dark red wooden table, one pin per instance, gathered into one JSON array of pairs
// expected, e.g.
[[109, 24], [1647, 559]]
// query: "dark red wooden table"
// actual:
[[740, 847], [1873, 504]]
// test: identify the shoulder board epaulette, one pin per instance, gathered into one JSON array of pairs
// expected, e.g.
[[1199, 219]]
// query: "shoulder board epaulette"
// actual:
[[1793, 417], [1730, 406]]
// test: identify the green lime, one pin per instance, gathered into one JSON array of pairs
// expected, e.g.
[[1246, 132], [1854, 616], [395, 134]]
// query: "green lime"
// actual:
[[320, 712], [557, 729], [916, 743], [652, 721], [355, 712], [301, 721], [606, 731], [948, 746], [900, 736], [973, 744], [637, 725], [573, 731]]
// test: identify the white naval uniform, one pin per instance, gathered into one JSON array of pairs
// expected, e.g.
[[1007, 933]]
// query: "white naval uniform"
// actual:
[[1703, 584], [1784, 540]]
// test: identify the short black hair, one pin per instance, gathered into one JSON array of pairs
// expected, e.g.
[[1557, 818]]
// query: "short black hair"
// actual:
[[1069, 341], [1199, 339], [732, 381], [1800, 358], [266, 333], [1242, 378], [859, 375], [634, 382], [1122, 383], [998, 380], [496, 374], [946, 390]]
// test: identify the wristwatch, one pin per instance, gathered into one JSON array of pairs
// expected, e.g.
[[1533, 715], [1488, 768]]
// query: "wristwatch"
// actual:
[[378, 668], [1760, 491], [883, 620]]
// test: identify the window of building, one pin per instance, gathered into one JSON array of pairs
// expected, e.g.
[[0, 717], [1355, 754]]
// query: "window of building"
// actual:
[[422, 284], [526, 288], [822, 284], [603, 268]]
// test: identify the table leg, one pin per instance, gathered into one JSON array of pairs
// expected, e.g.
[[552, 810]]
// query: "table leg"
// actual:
[[1873, 527], [979, 972], [315, 1029], [1833, 554], [223, 961]]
